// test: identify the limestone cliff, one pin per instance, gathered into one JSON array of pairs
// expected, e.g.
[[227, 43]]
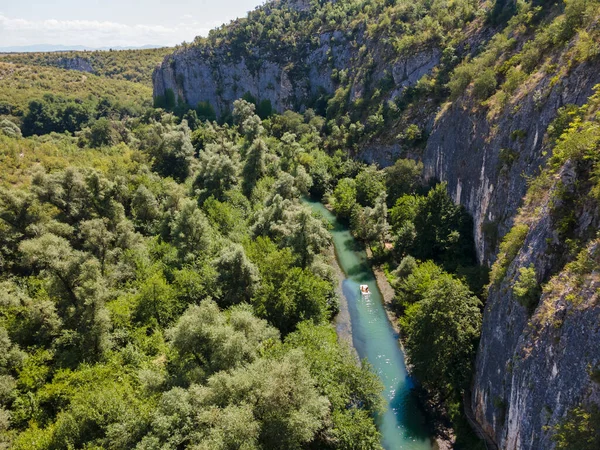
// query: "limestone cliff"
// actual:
[[466, 149], [75, 63], [539, 358], [195, 75]]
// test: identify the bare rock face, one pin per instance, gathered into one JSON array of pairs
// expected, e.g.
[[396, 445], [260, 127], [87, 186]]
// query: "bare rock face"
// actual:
[[409, 70], [76, 63], [195, 76], [531, 370], [486, 161]]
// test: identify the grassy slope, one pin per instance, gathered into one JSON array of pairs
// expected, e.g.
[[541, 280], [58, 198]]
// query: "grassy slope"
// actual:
[[19, 84], [18, 157], [130, 65]]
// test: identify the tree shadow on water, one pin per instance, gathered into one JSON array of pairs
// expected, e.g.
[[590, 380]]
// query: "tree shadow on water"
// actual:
[[359, 269], [408, 407], [353, 245]]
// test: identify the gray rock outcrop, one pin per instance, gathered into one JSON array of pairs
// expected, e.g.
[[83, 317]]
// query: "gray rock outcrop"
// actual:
[[75, 63], [531, 370]]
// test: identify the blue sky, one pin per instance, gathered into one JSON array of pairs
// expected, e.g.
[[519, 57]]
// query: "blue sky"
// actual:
[[114, 22]]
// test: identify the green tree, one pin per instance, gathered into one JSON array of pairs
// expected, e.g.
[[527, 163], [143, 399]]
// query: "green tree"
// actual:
[[485, 84], [320, 171], [9, 128], [145, 208], [254, 166], [580, 429], [217, 173], [18, 214], [527, 289], [101, 133], [78, 286], [370, 184], [282, 394], [33, 321], [94, 414], [98, 239], [212, 340], [206, 112], [307, 236], [238, 277], [444, 231], [362, 224], [289, 149], [415, 281], [242, 110], [156, 301], [404, 177], [441, 333], [344, 198], [353, 390], [380, 215], [301, 296], [66, 190], [174, 155], [190, 231], [194, 283], [264, 109], [249, 124], [228, 219]]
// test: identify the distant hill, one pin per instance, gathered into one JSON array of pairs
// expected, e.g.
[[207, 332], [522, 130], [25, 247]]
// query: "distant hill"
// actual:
[[19, 84], [63, 48], [131, 65]]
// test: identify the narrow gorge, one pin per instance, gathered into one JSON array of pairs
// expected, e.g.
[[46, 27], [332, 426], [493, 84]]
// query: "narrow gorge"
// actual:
[[487, 99]]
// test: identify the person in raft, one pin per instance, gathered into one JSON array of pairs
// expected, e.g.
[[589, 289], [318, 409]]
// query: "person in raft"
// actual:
[[364, 289]]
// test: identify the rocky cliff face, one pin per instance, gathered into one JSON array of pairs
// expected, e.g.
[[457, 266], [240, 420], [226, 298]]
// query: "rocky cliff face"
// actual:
[[487, 160], [195, 76], [76, 63], [532, 369]]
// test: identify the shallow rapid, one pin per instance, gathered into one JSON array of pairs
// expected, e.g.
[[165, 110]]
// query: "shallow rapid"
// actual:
[[403, 425]]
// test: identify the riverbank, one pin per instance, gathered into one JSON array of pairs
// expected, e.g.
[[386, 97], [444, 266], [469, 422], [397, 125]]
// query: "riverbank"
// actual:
[[342, 321], [444, 438]]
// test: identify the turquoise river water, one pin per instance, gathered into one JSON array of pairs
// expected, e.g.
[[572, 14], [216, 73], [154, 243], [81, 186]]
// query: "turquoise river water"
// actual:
[[402, 426]]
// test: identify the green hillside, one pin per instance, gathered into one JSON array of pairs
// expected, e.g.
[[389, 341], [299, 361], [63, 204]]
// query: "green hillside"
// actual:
[[129, 65]]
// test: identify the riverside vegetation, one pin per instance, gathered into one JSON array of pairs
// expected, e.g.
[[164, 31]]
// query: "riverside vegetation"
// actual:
[[163, 286], [156, 267]]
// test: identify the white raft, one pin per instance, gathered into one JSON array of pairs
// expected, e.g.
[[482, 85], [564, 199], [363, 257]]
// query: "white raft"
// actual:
[[364, 289]]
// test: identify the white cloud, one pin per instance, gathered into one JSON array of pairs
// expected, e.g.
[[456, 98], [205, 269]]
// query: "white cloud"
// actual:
[[92, 33]]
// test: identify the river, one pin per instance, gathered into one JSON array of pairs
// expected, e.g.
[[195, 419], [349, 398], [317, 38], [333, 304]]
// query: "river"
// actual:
[[403, 424]]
